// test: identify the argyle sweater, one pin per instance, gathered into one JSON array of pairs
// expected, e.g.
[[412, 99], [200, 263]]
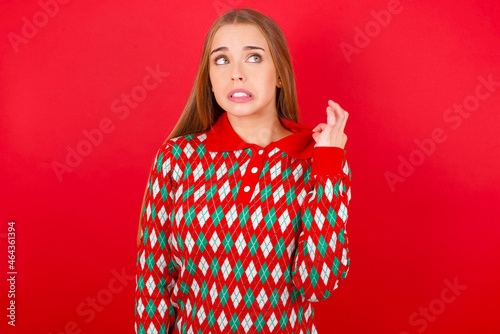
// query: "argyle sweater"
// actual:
[[239, 238]]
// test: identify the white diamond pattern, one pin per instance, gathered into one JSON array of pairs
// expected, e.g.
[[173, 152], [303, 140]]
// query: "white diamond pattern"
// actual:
[[222, 320], [140, 307], [242, 223], [325, 273], [199, 193], [329, 190], [215, 241], [165, 168], [203, 216], [198, 172], [189, 243], [272, 322], [203, 266], [156, 188], [266, 246], [224, 190], [162, 215], [342, 212], [240, 243], [256, 217], [221, 171], [226, 269], [236, 297], [297, 173], [284, 221], [152, 237], [311, 248], [231, 216], [262, 298], [278, 194], [275, 170], [251, 272], [161, 263], [277, 274]]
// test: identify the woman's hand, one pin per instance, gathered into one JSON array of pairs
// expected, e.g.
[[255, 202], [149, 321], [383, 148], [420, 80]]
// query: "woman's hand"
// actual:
[[332, 133]]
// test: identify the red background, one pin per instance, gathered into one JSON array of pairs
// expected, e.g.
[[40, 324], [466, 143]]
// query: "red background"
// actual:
[[439, 223]]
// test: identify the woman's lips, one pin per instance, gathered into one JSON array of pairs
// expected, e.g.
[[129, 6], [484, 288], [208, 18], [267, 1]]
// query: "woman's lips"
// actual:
[[241, 98]]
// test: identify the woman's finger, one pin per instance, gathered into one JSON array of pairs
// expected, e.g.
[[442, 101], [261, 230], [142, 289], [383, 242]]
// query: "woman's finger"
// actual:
[[342, 116], [320, 126]]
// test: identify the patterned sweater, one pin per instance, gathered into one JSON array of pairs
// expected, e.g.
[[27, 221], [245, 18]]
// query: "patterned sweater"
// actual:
[[239, 238]]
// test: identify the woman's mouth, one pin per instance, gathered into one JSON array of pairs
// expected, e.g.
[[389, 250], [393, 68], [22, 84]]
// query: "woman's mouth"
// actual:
[[240, 95]]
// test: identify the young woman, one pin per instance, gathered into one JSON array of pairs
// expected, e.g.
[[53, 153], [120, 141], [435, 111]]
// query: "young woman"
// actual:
[[243, 222]]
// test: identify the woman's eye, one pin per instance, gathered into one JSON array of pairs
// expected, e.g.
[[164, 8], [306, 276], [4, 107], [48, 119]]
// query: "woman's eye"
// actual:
[[256, 55], [216, 60]]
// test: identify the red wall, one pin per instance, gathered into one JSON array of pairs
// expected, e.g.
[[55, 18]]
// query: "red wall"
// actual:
[[423, 143]]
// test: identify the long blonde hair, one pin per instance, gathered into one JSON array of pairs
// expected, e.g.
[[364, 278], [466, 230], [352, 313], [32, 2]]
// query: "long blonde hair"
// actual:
[[202, 110]]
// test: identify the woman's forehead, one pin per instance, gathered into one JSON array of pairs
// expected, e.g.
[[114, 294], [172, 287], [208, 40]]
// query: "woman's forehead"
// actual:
[[238, 35]]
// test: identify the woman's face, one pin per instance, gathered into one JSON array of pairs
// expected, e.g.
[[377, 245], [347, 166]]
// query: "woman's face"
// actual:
[[237, 66]]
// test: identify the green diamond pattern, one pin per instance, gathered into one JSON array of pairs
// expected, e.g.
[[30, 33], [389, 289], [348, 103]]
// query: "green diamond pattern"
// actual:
[[190, 215], [217, 215], [189, 191], [290, 195], [234, 323], [307, 219], [283, 320], [260, 323], [274, 298], [232, 281], [233, 168], [264, 273], [215, 267], [228, 242], [224, 295], [270, 219], [238, 270], [162, 240], [244, 216], [201, 242], [253, 245], [249, 298], [322, 246], [265, 170], [280, 248], [265, 193], [211, 191], [341, 236], [164, 193], [286, 173], [209, 172]]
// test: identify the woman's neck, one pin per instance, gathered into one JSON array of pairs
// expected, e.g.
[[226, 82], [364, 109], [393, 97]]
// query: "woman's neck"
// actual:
[[259, 129]]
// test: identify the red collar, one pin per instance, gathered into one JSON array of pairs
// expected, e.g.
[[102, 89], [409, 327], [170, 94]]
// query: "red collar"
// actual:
[[222, 137]]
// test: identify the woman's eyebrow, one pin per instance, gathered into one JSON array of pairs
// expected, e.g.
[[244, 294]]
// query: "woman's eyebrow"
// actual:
[[248, 47]]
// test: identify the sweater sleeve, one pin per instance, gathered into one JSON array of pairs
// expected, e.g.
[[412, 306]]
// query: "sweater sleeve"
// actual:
[[156, 272], [321, 261]]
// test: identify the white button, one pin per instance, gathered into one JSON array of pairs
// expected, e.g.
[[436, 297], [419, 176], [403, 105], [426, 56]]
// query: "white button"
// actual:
[[261, 151], [254, 170], [247, 188]]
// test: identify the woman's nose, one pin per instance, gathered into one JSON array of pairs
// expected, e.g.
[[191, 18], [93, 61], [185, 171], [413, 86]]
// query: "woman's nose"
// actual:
[[236, 73]]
